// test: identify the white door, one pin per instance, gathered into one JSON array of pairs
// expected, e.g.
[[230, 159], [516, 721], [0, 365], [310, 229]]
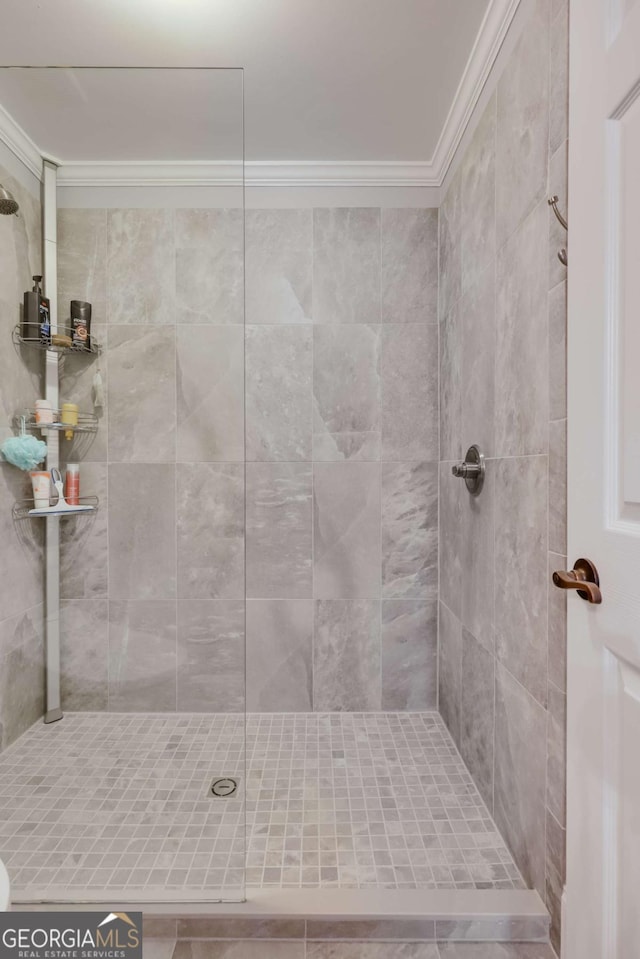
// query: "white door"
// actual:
[[602, 918]]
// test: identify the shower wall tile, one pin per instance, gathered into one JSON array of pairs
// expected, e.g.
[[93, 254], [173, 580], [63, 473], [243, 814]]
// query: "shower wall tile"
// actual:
[[478, 200], [523, 125], [521, 371], [477, 313], [211, 656], [559, 76], [477, 713], [279, 655], [22, 550], [451, 360], [557, 624], [409, 373], [450, 669], [140, 266], [520, 762], [346, 265], [558, 185], [84, 546], [142, 531], [451, 544], [556, 871], [450, 246], [477, 532], [210, 393], [84, 654], [142, 656], [521, 571], [409, 654], [558, 486], [558, 352], [410, 530], [22, 679], [209, 266], [141, 393], [76, 376], [279, 533], [346, 388], [82, 261], [346, 668], [336, 447], [279, 266], [557, 754], [347, 548], [210, 530], [409, 279], [278, 392]]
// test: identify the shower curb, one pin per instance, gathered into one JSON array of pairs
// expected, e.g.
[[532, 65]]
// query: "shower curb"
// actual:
[[383, 915]]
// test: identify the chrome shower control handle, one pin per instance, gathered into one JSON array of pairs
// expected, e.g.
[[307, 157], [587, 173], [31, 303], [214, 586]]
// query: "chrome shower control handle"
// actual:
[[471, 470]]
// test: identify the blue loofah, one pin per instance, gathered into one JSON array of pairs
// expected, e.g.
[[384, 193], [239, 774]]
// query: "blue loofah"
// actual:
[[25, 452]]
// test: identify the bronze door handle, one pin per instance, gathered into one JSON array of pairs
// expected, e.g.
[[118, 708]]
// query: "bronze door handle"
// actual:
[[583, 578]]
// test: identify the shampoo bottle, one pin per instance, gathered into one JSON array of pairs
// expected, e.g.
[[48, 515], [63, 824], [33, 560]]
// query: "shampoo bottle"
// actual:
[[36, 322]]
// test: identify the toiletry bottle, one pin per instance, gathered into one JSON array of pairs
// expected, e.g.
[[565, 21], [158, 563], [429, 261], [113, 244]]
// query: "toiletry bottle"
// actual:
[[72, 484], [81, 324], [69, 416], [36, 322]]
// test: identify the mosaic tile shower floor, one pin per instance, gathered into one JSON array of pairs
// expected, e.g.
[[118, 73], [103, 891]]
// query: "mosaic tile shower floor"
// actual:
[[103, 804]]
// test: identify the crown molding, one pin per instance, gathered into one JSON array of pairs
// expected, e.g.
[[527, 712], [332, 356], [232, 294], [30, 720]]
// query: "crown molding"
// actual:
[[289, 173], [491, 36], [20, 144], [272, 173]]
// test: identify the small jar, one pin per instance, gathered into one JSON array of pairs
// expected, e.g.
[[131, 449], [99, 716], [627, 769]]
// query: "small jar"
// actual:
[[44, 412], [69, 418]]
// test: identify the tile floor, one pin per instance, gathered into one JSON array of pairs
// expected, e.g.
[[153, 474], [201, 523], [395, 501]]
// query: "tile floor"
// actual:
[[106, 804]]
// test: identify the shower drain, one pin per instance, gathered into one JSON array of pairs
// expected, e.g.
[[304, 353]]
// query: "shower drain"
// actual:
[[223, 787]]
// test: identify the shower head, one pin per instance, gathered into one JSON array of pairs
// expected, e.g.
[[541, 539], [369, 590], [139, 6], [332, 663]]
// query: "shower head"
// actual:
[[8, 204]]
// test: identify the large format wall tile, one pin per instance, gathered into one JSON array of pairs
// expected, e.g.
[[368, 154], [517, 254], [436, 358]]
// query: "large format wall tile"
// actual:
[[409, 530], [476, 544], [346, 265], [278, 266], [77, 374], [209, 266], [84, 655], [478, 232], [210, 533], [558, 486], [450, 247], [210, 386], [521, 371], [409, 654], [558, 352], [521, 568], [346, 668], [142, 531], [22, 679], [477, 311], [278, 385], [556, 871], [84, 541], [477, 714], [142, 656], [409, 280], [21, 552], [347, 549], [520, 761], [211, 655], [523, 125], [346, 389], [279, 534], [140, 266], [279, 655], [409, 371], [559, 76], [450, 669], [451, 359], [557, 624], [82, 261], [452, 505], [141, 394], [556, 754]]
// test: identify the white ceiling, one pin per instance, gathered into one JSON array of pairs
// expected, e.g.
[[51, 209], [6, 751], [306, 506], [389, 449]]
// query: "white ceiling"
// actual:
[[338, 80]]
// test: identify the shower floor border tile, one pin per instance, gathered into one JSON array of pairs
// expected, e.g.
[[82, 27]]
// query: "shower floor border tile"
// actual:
[[115, 804]]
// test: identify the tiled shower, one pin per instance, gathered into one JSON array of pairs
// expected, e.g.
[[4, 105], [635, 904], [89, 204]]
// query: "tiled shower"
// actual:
[[280, 533]]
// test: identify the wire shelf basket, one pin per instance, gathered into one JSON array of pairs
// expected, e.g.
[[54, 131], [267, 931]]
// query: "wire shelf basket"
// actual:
[[38, 343]]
